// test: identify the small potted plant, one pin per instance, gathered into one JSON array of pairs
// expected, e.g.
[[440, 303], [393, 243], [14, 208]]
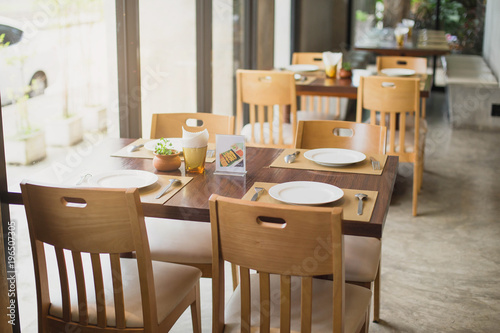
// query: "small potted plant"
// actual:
[[166, 158], [345, 72]]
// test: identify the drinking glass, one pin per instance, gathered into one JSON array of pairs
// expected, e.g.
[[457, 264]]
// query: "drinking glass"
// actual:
[[194, 159]]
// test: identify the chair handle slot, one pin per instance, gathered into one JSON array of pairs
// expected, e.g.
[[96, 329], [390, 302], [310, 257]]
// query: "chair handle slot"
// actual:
[[318, 59], [343, 132], [192, 122], [74, 202], [265, 79], [271, 222], [402, 62], [388, 84]]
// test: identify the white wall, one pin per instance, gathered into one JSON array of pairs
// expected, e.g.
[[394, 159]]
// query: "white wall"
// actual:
[[491, 46], [282, 26]]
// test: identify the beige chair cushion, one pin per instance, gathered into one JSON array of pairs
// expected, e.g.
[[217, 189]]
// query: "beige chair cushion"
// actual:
[[362, 257], [172, 283], [179, 241], [246, 131], [357, 300]]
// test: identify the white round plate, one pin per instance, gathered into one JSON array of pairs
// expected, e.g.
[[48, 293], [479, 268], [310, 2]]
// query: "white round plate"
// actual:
[[176, 142], [334, 157], [397, 72], [306, 193], [124, 179], [302, 68]]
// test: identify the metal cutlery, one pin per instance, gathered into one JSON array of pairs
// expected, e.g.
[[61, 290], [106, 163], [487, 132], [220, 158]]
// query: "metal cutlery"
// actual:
[[258, 191], [290, 158], [375, 163], [172, 181], [135, 147], [360, 196], [83, 178]]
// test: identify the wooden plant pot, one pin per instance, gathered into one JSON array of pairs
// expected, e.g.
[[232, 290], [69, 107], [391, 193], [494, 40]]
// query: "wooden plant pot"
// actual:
[[167, 162]]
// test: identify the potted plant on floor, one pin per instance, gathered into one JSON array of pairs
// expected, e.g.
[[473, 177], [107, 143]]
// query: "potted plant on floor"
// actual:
[[166, 158], [25, 144]]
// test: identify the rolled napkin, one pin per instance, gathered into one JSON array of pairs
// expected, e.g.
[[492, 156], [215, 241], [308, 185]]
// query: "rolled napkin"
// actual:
[[194, 139], [333, 63]]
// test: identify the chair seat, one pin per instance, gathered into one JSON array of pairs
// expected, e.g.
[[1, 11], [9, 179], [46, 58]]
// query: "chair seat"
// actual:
[[179, 241], [362, 257], [172, 283], [357, 300], [246, 131]]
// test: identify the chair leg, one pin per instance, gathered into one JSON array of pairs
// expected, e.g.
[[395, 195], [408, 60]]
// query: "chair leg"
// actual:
[[376, 295], [234, 271], [196, 310], [416, 176], [421, 176]]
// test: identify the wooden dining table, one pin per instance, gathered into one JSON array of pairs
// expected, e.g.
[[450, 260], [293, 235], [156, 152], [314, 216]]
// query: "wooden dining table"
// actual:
[[191, 201], [317, 84]]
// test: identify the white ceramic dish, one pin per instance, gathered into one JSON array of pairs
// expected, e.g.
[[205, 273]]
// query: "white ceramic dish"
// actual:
[[176, 142], [334, 157], [306, 193], [124, 179], [302, 68], [397, 72]]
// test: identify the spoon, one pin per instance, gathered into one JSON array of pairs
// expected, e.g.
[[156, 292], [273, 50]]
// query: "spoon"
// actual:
[[134, 148], [291, 157], [172, 181], [360, 196]]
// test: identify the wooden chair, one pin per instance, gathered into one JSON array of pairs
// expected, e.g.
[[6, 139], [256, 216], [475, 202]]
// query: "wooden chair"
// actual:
[[270, 99], [362, 254], [418, 64], [366, 138], [314, 106], [181, 241], [86, 286], [170, 124], [287, 253], [398, 100]]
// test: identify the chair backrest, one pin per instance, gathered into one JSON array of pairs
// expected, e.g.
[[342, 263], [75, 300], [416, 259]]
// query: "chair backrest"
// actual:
[[394, 100], [319, 105], [419, 65], [308, 58], [263, 92], [95, 221], [169, 125], [273, 239], [312, 134]]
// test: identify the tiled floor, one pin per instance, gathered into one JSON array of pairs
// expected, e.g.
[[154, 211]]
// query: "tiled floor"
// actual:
[[441, 269]]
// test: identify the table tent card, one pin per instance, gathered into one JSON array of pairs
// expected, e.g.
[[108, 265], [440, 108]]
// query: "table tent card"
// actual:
[[230, 155]]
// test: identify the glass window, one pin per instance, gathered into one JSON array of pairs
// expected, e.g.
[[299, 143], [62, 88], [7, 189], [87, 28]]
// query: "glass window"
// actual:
[[58, 88], [168, 58]]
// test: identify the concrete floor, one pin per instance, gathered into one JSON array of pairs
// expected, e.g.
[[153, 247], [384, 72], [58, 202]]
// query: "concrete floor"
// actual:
[[441, 269]]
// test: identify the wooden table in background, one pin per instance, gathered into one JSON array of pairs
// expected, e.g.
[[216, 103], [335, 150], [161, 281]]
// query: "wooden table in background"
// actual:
[[324, 86], [191, 202]]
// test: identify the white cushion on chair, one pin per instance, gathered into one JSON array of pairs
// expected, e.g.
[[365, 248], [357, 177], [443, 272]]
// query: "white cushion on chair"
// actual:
[[172, 283], [179, 241], [357, 300], [362, 257], [246, 131]]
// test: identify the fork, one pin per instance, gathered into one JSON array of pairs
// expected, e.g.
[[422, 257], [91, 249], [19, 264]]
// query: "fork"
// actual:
[[375, 163], [258, 191]]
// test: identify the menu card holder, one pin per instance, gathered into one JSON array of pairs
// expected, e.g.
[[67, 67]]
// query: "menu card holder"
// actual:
[[230, 155]]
